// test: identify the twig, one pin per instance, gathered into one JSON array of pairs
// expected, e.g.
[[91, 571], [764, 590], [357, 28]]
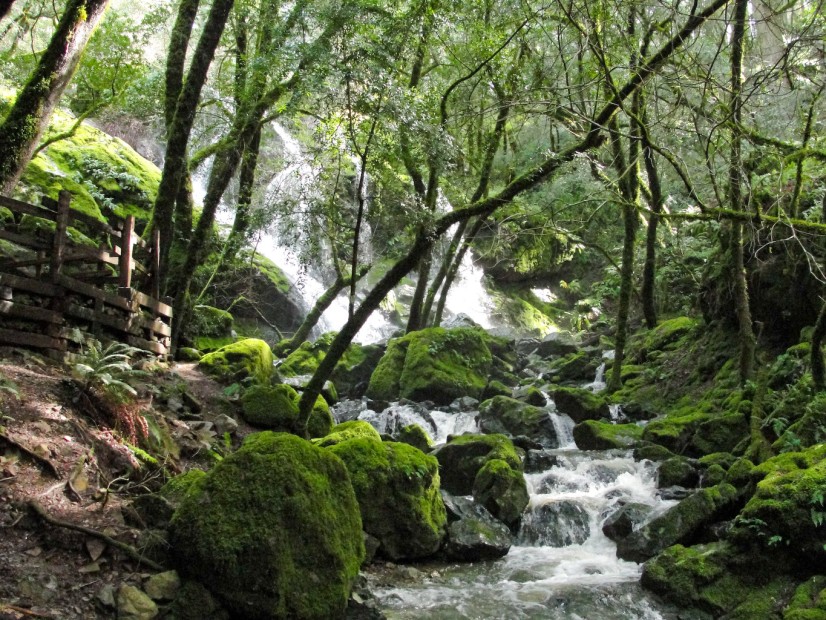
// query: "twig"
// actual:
[[127, 549], [7, 479], [46, 463], [22, 610]]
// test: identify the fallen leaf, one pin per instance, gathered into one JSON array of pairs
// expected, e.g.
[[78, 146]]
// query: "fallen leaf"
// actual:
[[95, 547]]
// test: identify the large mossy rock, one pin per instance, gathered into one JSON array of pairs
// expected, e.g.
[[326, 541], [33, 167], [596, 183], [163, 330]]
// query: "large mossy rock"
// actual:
[[273, 530], [348, 430], [397, 487], [502, 490], [462, 457], [664, 337], [711, 579], [573, 368], [808, 601], [509, 416], [434, 364], [248, 358], [599, 435], [679, 523], [676, 430], [581, 404], [787, 513], [210, 328], [352, 372], [275, 407]]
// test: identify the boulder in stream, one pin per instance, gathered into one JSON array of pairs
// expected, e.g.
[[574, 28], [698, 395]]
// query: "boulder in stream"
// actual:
[[600, 435], [502, 490], [559, 523], [512, 417], [625, 520], [581, 404], [462, 457], [473, 533], [397, 487], [266, 518]]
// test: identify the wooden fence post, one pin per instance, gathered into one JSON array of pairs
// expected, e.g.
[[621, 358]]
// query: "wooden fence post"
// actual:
[[125, 262], [59, 241]]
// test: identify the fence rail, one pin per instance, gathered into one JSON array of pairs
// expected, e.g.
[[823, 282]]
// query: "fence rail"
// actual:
[[51, 286]]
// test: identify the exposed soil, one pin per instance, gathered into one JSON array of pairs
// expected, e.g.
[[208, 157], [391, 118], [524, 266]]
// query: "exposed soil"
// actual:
[[55, 452]]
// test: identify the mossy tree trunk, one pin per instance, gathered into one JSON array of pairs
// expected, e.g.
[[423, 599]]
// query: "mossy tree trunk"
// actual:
[[25, 123], [532, 178], [649, 306], [454, 269], [180, 127], [735, 198]]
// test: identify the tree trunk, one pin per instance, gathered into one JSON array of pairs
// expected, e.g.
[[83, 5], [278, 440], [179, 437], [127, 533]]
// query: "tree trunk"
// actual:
[[27, 120], [186, 105], [649, 307], [448, 260], [454, 270], [416, 319], [176, 56], [738, 269]]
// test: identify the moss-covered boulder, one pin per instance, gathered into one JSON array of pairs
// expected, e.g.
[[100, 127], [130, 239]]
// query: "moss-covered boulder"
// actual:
[[462, 457], [248, 358], [273, 530], [348, 430], [573, 368], [712, 579], [414, 435], [352, 372], [473, 533], [679, 523], [678, 471], [275, 407], [502, 490], [808, 601], [509, 416], [581, 404], [600, 435], [720, 433], [665, 336], [434, 364], [787, 513], [397, 487], [676, 430]]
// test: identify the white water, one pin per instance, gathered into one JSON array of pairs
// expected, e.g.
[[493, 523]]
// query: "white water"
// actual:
[[561, 566]]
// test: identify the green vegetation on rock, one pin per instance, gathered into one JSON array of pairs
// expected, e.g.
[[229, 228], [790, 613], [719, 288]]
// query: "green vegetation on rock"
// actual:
[[248, 358], [505, 415], [348, 430], [462, 457], [502, 490], [397, 487], [599, 435], [276, 408], [263, 519]]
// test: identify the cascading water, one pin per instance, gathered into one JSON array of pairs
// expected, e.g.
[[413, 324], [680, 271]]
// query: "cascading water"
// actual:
[[561, 566]]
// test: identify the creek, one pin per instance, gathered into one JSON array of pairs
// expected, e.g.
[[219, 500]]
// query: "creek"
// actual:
[[561, 565]]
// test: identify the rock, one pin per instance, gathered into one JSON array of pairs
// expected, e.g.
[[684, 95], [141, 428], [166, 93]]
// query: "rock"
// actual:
[[721, 433], [651, 451], [371, 546], [665, 336], [530, 394], [676, 429], [475, 539], [679, 523], [462, 457], [273, 530], [348, 430], [555, 524], [188, 354], [163, 586], [176, 489], [624, 520], [677, 471], [397, 487], [134, 604], [573, 368], [555, 344], [347, 410], [464, 403], [502, 490], [225, 424], [512, 417], [538, 461], [675, 492], [526, 346], [434, 364], [106, 596], [599, 435], [580, 404], [249, 358], [414, 435], [275, 407]]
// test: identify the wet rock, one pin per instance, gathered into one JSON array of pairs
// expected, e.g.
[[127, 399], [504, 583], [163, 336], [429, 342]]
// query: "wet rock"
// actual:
[[473, 539], [539, 460], [558, 343], [651, 451], [347, 410], [462, 457], [625, 520], [530, 394], [414, 435], [526, 346], [675, 492], [679, 524], [163, 586], [225, 424], [362, 604], [134, 604], [502, 490], [678, 471], [465, 403], [581, 404], [599, 435], [512, 417], [555, 524]]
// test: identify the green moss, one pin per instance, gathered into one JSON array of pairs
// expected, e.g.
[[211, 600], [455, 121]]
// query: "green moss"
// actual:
[[273, 273], [414, 435], [178, 487], [397, 487], [306, 358], [211, 322], [580, 404], [462, 457], [720, 433], [676, 429], [274, 531], [234, 362], [348, 430], [502, 414], [276, 408], [188, 354], [599, 435], [679, 572], [664, 336], [808, 601], [207, 344], [502, 490], [574, 367], [384, 382]]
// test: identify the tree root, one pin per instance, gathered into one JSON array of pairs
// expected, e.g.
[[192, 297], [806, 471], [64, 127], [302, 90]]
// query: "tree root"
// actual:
[[130, 551], [40, 460]]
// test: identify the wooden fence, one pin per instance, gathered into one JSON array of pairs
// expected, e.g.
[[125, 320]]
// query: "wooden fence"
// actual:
[[51, 286]]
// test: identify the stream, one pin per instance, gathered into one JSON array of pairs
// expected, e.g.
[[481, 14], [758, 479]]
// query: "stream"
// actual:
[[561, 565]]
